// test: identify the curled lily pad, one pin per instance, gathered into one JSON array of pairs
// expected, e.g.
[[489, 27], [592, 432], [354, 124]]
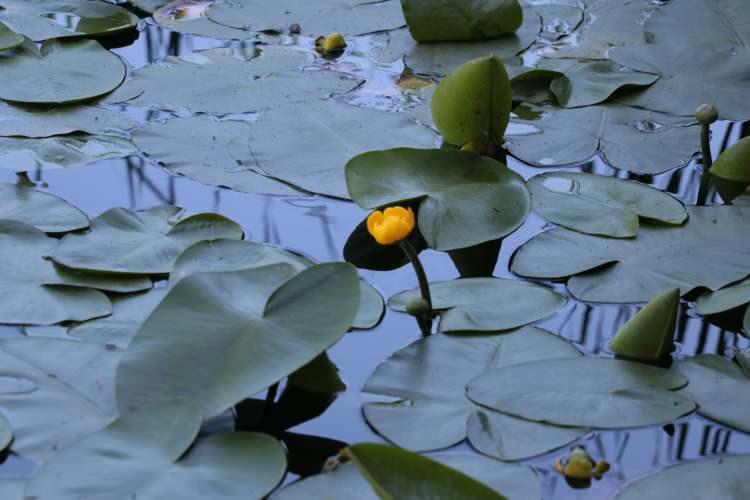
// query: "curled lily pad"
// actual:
[[9, 38], [61, 151], [46, 19], [649, 335], [597, 204], [147, 242], [61, 71], [429, 377], [315, 18], [44, 211], [721, 389], [724, 477], [453, 186], [596, 392], [626, 138], [661, 257], [34, 122], [215, 322], [485, 304], [456, 20], [724, 299]]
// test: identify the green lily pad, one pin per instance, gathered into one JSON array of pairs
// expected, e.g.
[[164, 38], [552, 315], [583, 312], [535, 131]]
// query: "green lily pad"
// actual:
[[626, 138], [215, 322], [483, 109], [458, 20], [661, 257], [733, 163], [721, 389], [189, 17], [602, 205], [61, 151], [226, 81], [146, 242], [235, 255], [34, 122], [61, 71], [454, 186], [485, 304], [724, 299], [44, 211], [141, 456], [315, 18], [9, 38], [595, 392], [45, 19], [396, 473], [517, 482], [429, 377], [724, 477], [55, 391], [649, 334]]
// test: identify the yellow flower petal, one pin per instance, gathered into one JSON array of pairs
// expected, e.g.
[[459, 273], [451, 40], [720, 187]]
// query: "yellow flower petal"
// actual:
[[392, 225]]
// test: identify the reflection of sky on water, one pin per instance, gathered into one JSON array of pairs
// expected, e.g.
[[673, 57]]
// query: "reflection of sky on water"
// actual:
[[319, 227]]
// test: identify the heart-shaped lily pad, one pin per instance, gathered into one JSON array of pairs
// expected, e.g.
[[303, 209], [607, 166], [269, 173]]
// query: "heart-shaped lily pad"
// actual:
[[454, 187], [42, 210], [709, 250], [61, 71], [9, 38], [25, 121], [595, 392], [598, 204], [457, 20], [485, 304]]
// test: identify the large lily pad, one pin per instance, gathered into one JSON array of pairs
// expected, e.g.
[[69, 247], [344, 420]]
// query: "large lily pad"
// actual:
[[454, 187], [55, 391], [61, 151], [235, 255], [709, 250], [626, 138], [34, 122], [721, 389], [140, 456], [596, 392], [429, 377], [315, 18], [45, 19], [42, 210], [485, 304], [61, 71], [457, 20], [147, 242], [217, 322], [725, 299], [515, 481], [724, 477], [603, 205], [226, 81], [9, 38]]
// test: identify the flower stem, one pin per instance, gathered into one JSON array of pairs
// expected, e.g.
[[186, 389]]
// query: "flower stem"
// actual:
[[707, 162], [425, 320]]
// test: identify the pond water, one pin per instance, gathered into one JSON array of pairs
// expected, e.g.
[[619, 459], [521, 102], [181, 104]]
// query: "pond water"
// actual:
[[318, 227]]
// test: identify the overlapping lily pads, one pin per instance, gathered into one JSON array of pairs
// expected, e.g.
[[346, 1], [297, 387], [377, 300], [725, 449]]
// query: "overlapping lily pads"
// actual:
[[454, 187], [34, 122], [429, 377], [63, 151], [709, 250], [9, 38], [485, 304], [725, 299], [42, 210], [597, 204]]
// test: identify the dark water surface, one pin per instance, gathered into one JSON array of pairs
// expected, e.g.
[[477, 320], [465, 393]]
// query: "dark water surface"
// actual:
[[318, 228]]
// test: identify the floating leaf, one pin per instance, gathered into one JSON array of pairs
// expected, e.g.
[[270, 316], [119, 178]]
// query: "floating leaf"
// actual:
[[458, 20], [649, 335], [315, 18], [45, 19], [725, 299], [9, 38], [42, 210], [429, 377], [484, 107], [598, 204], [146, 242], [596, 392], [454, 187], [61, 151], [55, 391], [485, 304], [626, 138], [721, 389], [396, 473], [215, 323], [227, 80], [661, 257], [61, 71], [34, 122], [189, 16], [724, 478], [731, 170], [149, 5]]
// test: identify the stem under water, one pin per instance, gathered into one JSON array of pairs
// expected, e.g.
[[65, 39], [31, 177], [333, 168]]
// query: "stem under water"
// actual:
[[707, 162], [424, 320]]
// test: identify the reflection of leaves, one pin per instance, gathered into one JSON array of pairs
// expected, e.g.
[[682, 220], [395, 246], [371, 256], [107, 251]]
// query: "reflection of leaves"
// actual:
[[61, 151]]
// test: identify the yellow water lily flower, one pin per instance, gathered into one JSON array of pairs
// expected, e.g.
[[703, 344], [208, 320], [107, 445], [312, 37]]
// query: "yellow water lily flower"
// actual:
[[391, 225], [334, 42]]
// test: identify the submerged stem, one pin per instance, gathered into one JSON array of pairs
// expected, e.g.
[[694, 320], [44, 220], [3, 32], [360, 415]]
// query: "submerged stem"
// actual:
[[706, 115], [424, 320]]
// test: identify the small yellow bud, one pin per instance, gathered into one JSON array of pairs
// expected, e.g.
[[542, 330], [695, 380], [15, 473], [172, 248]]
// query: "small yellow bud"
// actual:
[[334, 42], [478, 146], [579, 464], [391, 225], [601, 468]]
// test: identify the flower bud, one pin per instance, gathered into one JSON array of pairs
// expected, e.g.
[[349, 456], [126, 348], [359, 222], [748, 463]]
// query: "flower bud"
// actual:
[[418, 307], [334, 42], [706, 114]]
